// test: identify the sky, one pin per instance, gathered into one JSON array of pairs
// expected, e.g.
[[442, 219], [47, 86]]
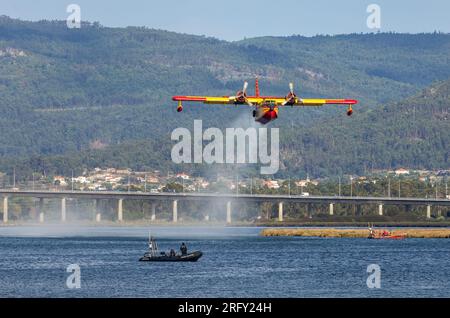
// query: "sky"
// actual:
[[237, 19]]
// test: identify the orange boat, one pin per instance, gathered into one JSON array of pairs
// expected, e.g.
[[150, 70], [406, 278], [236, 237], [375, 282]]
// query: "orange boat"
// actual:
[[385, 234]]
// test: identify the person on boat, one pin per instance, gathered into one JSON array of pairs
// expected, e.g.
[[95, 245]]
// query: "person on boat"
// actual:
[[371, 232], [172, 252], [183, 249]]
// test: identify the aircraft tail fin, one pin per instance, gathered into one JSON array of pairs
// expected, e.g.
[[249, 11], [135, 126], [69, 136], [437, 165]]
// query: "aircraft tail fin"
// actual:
[[256, 87]]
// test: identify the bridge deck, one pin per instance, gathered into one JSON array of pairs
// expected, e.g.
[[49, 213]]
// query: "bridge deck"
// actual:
[[225, 197]]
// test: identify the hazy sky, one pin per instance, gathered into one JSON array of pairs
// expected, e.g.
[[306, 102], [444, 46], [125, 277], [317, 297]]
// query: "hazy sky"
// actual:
[[234, 20]]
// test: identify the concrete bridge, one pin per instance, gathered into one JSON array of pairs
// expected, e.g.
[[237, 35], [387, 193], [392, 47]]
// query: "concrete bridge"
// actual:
[[228, 199]]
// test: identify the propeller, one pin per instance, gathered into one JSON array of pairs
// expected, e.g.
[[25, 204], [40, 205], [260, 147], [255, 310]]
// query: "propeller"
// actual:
[[290, 98], [241, 96], [244, 89]]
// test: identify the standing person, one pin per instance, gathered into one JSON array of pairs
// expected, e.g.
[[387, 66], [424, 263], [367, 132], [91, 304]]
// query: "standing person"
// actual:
[[371, 233], [183, 249]]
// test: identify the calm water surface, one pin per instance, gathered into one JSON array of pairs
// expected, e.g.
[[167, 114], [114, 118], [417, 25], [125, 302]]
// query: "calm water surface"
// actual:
[[236, 263]]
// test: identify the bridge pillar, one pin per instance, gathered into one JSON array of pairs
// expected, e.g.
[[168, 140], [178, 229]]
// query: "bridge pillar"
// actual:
[[428, 211], [63, 210], [120, 210], [175, 211], [331, 208], [97, 213], [380, 209], [41, 210], [228, 212], [5, 209], [153, 211], [308, 210], [280, 211]]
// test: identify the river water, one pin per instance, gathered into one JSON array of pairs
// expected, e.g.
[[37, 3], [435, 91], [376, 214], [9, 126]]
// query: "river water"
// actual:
[[236, 263]]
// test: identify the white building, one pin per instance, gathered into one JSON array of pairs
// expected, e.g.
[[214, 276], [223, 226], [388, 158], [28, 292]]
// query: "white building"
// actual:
[[401, 171]]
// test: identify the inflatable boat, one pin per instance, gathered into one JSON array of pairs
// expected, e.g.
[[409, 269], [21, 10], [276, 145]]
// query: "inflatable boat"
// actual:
[[154, 255]]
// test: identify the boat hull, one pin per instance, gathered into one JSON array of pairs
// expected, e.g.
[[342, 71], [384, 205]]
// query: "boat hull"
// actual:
[[190, 257], [390, 237]]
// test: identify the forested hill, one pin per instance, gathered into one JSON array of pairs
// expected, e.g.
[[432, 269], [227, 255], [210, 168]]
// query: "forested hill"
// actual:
[[69, 92], [411, 133]]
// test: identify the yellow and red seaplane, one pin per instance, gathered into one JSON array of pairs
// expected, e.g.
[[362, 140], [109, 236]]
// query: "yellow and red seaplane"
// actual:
[[266, 107]]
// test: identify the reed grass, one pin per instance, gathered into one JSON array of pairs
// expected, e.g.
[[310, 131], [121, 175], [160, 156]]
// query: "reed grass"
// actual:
[[354, 233]]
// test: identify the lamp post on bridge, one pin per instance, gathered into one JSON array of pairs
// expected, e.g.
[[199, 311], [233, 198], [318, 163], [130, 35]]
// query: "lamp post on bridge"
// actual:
[[389, 187], [289, 186], [436, 189], [446, 190], [339, 186], [351, 186]]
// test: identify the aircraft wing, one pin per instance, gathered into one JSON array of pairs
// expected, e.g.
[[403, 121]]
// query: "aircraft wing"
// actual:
[[269, 104], [253, 100], [204, 99], [321, 102]]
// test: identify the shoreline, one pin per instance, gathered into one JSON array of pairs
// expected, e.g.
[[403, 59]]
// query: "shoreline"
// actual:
[[362, 224], [271, 225], [354, 233]]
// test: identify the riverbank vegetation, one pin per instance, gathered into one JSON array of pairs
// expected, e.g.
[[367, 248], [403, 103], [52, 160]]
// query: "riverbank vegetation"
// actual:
[[355, 233]]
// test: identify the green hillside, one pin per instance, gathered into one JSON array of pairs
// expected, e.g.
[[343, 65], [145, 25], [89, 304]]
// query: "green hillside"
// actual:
[[92, 96], [412, 133]]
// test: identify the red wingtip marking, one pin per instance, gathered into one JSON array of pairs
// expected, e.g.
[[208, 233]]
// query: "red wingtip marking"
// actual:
[[342, 101], [188, 99]]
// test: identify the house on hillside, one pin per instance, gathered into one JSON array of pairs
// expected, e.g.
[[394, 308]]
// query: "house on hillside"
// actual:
[[183, 176], [60, 180], [271, 184], [401, 171]]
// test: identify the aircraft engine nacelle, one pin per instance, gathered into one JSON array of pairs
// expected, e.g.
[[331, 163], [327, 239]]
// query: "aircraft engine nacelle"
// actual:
[[290, 98], [179, 107], [240, 97]]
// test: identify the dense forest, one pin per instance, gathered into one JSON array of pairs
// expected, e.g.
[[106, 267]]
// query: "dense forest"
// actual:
[[96, 96]]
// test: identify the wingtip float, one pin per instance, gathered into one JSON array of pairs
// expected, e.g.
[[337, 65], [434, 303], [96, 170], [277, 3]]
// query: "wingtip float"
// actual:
[[266, 107]]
